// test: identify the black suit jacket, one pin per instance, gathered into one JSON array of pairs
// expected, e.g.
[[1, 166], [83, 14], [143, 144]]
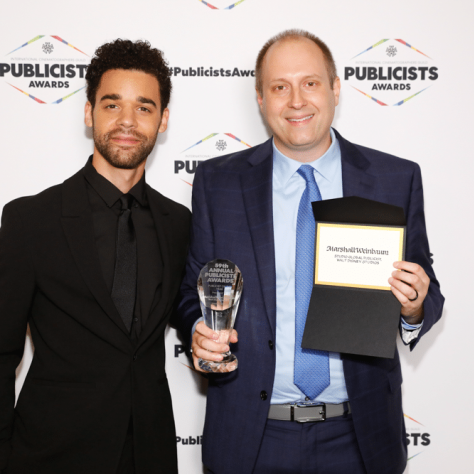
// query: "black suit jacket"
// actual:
[[86, 379], [233, 219]]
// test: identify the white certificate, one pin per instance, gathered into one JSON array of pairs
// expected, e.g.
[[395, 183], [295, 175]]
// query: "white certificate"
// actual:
[[359, 256]]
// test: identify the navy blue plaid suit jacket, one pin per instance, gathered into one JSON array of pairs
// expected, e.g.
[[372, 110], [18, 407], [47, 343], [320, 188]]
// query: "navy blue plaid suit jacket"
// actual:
[[232, 219]]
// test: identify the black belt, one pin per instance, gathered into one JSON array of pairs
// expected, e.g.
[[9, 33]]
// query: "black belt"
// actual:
[[302, 413]]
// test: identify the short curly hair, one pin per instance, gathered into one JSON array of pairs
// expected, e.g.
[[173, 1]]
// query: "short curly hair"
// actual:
[[125, 54]]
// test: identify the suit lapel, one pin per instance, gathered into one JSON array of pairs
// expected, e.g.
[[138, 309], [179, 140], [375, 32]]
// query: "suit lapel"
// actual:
[[78, 227], [356, 181], [162, 220], [257, 194]]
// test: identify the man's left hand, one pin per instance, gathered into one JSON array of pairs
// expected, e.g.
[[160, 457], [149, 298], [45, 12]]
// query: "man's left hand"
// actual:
[[410, 286]]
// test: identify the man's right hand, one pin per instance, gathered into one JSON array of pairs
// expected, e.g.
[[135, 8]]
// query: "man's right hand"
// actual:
[[205, 345]]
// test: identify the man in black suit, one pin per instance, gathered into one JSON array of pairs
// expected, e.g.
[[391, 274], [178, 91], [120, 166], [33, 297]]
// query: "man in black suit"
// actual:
[[94, 265]]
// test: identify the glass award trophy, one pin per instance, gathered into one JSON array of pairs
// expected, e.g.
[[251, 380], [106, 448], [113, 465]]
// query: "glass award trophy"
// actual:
[[220, 286]]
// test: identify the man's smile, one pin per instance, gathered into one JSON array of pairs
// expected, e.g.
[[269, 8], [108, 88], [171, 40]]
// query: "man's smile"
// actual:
[[300, 120]]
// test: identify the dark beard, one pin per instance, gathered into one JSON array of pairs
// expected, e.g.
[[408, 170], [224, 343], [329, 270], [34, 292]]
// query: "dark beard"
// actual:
[[121, 158]]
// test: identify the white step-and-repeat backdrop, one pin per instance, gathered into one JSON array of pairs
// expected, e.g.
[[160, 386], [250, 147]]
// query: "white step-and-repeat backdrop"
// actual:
[[406, 69]]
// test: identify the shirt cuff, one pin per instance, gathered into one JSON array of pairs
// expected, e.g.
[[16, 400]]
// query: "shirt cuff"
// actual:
[[194, 328], [410, 331]]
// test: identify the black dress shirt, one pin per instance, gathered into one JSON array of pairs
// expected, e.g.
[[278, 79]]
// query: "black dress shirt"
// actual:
[[104, 198]]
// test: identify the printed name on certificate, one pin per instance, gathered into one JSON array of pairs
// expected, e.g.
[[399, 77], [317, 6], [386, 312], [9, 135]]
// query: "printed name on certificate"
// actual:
[[358, 256]]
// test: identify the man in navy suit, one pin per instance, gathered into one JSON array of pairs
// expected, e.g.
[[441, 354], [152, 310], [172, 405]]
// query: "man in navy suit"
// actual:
[[247, 209]]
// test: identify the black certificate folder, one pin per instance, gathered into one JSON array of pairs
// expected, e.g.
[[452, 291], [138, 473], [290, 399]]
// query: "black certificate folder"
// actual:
[[354, 319]]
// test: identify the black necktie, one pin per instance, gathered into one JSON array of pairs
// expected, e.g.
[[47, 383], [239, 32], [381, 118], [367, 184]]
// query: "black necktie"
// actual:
[[124, 288]]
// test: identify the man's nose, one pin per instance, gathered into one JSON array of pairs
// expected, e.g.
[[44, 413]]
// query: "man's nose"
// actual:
[[297, 99], [127, 118]]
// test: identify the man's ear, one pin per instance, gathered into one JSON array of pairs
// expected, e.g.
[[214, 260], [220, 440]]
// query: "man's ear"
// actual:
[[164, 121], [259, 99], [88, 114], [336, 90]]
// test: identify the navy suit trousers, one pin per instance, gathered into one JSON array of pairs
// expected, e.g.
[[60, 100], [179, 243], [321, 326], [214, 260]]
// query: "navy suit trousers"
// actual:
[[328, 447]]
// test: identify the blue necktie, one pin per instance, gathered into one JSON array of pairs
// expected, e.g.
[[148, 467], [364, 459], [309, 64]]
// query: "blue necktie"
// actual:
[[311, 366]]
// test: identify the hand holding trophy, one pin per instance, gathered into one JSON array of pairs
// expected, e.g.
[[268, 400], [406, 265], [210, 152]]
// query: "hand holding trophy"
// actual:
[[220, 286]]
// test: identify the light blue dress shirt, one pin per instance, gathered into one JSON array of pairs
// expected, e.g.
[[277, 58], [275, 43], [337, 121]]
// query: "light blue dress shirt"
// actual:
[[288, 187]]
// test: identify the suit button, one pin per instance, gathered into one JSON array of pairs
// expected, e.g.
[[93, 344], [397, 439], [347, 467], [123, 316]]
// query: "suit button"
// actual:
[[270, 344], [263, 395], [135, 357]]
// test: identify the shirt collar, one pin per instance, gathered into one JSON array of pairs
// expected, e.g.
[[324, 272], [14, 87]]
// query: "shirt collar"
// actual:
[[327, 165], [109, 192], [139, 191]]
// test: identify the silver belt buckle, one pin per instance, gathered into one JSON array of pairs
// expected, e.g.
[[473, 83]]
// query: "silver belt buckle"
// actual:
[[313, 413]]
